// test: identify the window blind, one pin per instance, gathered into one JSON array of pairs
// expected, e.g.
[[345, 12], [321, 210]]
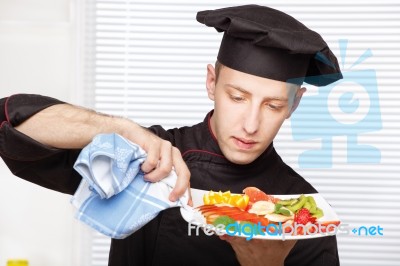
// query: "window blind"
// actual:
[[146, 60]]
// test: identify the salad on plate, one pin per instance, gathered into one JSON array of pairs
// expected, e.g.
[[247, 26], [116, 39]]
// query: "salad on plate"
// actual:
[[255, 214]]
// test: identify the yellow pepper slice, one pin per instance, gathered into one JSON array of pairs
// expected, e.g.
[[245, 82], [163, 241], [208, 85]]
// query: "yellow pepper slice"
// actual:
[[237, 200]]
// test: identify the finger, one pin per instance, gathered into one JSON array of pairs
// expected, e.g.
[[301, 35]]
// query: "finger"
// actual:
[[181, 185], [153, 156], [190, 201], [289, 243], [226, 237], [183, 173], [164, 166], [235, 240]]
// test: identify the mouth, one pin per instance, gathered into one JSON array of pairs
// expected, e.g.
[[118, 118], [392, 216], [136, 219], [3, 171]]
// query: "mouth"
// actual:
[[245, 144]]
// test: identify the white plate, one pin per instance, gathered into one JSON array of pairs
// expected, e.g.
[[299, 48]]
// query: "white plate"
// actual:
[[195, 218]]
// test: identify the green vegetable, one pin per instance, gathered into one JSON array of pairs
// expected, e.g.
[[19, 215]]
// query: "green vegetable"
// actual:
[[280, 210], [318, 213], [225, 220], [287, 202], [299, 204], [307, 205], [296, 204], [313, 207]]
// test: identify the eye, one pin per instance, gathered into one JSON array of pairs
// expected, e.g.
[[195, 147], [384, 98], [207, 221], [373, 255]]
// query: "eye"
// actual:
[[274, 107], [237, 98]]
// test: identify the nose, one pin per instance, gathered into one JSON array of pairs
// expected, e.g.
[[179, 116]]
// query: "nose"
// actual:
[[252, 121]]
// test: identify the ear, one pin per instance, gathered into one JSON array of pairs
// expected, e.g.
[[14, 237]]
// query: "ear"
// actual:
[[296, 100], [210, 82]]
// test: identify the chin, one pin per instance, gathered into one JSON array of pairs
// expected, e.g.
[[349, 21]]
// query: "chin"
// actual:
[[240, 159]]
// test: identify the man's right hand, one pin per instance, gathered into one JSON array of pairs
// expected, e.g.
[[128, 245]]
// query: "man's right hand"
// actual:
[[162, 157], [66, 126]]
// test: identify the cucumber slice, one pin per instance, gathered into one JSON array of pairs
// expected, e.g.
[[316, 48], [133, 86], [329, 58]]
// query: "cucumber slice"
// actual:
[[318, 214], [287, 202]]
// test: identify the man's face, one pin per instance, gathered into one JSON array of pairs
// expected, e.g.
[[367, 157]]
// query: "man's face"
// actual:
[[248, 111]]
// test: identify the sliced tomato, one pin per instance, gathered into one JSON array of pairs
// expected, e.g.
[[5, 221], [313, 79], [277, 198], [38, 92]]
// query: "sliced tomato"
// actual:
[[234, 212], [221, 210], [256, 194], [249, 217], [259, 219], [325, 226], [211, 218], [240, 216]]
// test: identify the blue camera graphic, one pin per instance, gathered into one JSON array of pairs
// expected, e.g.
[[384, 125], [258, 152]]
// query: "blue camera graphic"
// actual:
[[348, 107]]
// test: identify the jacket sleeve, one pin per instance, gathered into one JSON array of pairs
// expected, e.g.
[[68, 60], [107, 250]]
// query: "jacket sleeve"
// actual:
[[28, 159]]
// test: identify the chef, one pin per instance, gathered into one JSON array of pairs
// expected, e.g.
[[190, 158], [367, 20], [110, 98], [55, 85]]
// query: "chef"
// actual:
[[256, 83]]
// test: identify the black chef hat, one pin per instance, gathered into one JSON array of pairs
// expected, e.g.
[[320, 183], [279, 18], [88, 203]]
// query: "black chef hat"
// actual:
[[268, 43]]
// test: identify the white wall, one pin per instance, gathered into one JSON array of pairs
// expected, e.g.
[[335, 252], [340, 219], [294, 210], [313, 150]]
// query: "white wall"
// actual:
[[36, 56]]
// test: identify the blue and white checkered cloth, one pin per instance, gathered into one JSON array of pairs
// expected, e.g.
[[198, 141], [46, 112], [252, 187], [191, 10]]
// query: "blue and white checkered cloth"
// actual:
[[112, 197]]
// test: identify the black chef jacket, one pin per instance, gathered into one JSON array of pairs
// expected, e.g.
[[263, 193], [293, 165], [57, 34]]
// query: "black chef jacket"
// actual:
[[165, 240]]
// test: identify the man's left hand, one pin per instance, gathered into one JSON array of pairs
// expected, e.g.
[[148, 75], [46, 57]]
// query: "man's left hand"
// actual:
[[256, 252]]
